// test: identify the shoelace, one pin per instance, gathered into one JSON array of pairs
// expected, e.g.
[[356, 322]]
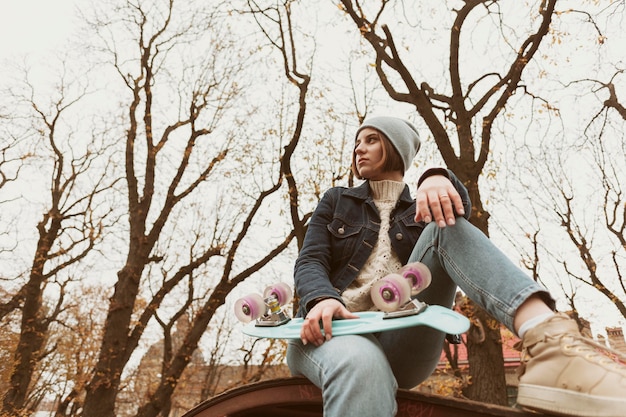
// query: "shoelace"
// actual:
[[597, 352]]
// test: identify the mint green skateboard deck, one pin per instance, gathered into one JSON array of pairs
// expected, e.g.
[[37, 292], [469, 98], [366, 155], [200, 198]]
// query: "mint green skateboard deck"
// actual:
[[437, 317]]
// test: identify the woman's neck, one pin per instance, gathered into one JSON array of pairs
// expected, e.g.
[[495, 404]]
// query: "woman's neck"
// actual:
[[391, 176]]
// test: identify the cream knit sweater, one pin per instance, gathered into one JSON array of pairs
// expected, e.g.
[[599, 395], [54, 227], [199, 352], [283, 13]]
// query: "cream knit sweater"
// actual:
[[383, 259]]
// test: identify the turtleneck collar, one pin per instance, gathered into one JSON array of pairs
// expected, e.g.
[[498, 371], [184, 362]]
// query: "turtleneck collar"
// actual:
[[386, 190]]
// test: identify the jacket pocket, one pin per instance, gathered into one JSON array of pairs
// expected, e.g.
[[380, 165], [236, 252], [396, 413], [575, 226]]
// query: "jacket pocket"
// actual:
[[407, 219], [345, 238]]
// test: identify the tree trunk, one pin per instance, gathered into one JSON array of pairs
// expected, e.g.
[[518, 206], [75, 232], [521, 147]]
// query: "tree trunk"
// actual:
[[34, 327], [103, 388], [484, 353], [31, 340]]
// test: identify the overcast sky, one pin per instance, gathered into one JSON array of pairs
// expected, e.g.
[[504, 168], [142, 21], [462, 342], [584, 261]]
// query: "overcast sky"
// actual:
[[34, 26]]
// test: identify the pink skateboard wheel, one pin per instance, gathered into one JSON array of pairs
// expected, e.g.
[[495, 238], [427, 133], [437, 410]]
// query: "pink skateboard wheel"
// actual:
[[418, 275], [391, 292], [282, 291], [249, 308]]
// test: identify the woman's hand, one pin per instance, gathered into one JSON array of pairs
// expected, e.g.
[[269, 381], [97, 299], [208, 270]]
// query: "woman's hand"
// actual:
[[437, 197], [323, 312]]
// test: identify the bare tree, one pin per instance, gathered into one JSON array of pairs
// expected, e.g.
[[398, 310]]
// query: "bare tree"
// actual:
[[597, 230], [600, 239], [159, 178], [460, 116], [12, 159], [612, 101], [74, 338], [276, 24], [14, 154], [71, 227], [588, 223], [9, 164], [189, 147], [574, 186]]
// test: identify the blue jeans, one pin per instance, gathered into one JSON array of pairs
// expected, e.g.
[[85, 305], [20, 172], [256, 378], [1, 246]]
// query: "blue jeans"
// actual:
[[359, 375]]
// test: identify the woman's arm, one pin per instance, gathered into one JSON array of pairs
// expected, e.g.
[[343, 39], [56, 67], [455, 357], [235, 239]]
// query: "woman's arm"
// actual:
[[312, 267], [319, 301]]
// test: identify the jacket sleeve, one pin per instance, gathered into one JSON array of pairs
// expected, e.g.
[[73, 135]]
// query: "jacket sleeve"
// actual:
[[458, 185], [312, 267]]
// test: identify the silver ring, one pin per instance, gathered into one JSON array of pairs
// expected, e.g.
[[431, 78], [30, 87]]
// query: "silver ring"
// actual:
[[444, 195]]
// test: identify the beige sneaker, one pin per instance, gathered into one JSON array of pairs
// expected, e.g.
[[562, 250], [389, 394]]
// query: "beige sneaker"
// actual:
[[565, 374]]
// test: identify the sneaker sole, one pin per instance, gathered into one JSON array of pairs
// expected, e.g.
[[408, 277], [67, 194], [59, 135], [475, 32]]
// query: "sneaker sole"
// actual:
[[569, 403]]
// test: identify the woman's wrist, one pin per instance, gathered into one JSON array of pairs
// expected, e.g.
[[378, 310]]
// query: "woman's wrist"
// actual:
[[432, 172]]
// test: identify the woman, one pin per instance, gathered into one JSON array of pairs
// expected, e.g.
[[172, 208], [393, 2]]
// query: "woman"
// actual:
[[358, 235]]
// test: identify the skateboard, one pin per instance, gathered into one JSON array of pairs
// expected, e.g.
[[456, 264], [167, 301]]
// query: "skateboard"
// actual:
[[265, 317]]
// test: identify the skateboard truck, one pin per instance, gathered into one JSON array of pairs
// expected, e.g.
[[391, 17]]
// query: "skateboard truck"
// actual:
[[415, 307], [274, 315], [266, 310], [408, 309]]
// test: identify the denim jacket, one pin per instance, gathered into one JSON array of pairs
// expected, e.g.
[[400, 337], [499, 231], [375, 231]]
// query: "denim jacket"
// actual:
[[341, 236]]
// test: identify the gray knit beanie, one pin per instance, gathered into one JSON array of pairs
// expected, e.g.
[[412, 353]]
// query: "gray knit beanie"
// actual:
[[402, 135]]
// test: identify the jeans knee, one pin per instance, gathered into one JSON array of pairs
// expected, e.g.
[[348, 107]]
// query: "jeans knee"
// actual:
[[352, 372], [361, 358]]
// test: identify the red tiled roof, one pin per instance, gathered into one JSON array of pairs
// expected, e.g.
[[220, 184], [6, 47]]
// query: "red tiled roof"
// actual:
[[511, 355]]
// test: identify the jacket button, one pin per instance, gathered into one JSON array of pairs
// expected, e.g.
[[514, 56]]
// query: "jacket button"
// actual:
[[399, 236], [341, 230]]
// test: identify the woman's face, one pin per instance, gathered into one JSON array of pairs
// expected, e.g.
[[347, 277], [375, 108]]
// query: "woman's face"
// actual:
[[370, 156]]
